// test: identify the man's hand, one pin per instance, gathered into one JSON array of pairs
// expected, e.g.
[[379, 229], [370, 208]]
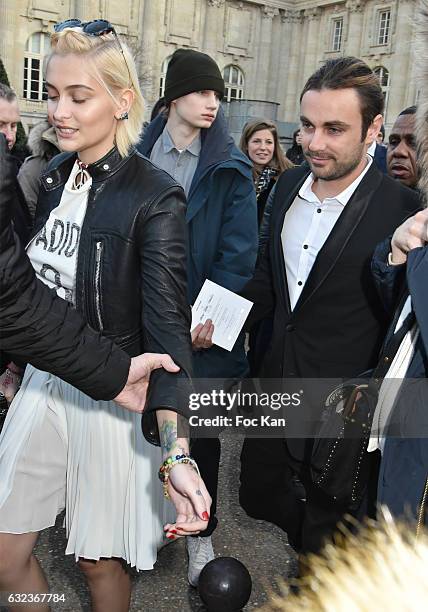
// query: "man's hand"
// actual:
[[411, 234], [202, 335], [133, 395]]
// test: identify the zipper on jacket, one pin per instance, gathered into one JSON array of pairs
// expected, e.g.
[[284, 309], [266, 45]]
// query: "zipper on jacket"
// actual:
[[98, 259]]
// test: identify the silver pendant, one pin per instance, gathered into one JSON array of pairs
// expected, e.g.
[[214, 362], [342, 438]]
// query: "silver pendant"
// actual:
[[81, 176]]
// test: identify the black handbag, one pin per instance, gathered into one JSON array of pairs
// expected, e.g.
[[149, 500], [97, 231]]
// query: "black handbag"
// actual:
[[340, 464]]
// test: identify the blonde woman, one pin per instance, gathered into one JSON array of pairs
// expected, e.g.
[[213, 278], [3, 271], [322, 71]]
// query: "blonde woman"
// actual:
[[109, 237]]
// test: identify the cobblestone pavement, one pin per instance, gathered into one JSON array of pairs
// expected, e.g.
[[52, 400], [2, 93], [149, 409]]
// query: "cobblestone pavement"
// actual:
[[261, 546]]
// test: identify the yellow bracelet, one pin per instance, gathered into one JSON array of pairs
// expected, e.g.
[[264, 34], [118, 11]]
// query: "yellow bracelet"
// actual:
[[167, 466]]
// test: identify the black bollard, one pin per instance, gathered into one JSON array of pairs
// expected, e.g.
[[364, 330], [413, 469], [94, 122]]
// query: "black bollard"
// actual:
[[225, 585]]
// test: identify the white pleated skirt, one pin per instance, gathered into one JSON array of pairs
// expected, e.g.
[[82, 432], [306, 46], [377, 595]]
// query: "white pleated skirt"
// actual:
[[61, 449]]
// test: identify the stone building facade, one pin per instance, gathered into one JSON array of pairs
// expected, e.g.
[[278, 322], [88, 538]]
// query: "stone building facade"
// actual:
[[265, 48]]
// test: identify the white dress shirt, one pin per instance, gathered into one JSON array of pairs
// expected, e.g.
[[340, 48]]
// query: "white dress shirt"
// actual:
[[307, 225], [388, 392], [372, 149]]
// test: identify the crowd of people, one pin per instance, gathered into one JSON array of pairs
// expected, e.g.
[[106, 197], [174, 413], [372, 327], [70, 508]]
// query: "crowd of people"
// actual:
[[108, 232]]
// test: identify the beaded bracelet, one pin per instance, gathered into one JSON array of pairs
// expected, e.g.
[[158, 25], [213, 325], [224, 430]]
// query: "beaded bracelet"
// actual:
[[167, 466]]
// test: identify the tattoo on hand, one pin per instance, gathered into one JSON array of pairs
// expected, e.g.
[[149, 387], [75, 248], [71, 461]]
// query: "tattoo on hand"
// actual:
[[198, 492]]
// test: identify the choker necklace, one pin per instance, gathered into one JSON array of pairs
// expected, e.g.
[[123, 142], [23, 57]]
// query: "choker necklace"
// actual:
[[81, 176]]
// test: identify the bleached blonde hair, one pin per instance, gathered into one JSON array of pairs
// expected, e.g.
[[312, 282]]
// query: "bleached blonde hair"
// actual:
[[383, 568], [109, 68]]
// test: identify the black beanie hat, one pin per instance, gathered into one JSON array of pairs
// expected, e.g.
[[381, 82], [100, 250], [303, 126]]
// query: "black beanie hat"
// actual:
[[190, 71]]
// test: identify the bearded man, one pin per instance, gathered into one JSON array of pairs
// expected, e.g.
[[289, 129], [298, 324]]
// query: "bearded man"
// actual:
[[314, 279]]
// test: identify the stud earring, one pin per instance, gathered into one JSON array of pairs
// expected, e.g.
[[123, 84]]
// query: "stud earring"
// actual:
[[123, 116]]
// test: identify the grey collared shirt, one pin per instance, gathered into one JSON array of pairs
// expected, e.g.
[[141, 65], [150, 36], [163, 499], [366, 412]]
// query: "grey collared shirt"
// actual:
[[179, 164]]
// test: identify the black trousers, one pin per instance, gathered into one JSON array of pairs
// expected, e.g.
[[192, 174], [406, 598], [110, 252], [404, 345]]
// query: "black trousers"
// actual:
[[206, 452], [267, 492]]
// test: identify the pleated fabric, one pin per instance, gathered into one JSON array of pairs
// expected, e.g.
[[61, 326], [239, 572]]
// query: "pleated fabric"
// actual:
[[61, 449]]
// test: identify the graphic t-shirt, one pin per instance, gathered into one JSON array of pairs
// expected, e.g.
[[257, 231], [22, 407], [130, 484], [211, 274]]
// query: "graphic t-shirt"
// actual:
[[53, 252]]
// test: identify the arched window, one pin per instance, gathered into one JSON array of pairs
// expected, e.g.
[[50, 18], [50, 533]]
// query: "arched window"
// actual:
[[234, 83], [383, 75], [164, 68], [37, 46]]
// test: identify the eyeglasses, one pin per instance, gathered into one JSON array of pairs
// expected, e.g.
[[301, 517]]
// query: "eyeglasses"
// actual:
[[97, 27]]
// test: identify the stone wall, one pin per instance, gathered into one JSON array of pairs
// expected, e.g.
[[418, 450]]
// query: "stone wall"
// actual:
[[276, 44]]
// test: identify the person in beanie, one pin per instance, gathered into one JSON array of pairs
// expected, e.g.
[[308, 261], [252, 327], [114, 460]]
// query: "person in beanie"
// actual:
[[192, 143]]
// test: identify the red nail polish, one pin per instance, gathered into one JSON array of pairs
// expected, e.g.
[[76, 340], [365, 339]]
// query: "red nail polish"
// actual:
[[205, 516], [171, 537], [173, 531]]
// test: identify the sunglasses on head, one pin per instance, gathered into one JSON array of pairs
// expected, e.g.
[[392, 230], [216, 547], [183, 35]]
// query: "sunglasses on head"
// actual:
[[97, 27]]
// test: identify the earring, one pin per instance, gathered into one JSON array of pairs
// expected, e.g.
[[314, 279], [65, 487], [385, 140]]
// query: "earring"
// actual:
[[123, 116]]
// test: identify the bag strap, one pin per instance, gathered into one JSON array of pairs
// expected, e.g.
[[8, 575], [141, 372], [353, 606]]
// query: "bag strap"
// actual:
[[390, 350], [422, 510]]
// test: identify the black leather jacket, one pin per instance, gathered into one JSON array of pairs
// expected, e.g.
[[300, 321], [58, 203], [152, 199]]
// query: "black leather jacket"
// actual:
[[41, 328], [131, 264]]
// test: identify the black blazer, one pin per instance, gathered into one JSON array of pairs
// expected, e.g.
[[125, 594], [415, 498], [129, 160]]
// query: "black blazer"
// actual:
[[337, 326]]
